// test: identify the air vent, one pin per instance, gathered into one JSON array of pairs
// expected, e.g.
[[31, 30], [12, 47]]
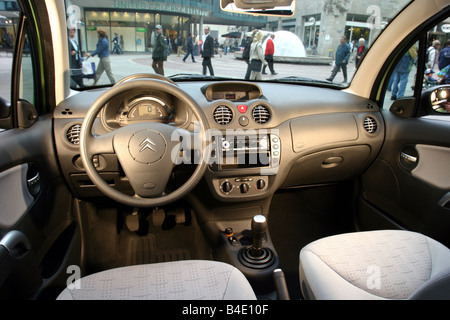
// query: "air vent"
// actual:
[[370, 125], [261, 114], [223, 115], [73, 134]]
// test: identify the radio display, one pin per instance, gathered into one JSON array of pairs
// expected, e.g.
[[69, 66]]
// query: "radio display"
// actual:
[[230, 95], [244, 152]]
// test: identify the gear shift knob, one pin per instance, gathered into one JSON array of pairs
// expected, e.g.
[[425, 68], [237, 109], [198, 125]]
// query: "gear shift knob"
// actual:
[[259, 227]]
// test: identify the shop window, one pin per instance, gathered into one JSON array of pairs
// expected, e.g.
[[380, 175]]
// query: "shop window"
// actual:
[[123, 23], [96, 20]]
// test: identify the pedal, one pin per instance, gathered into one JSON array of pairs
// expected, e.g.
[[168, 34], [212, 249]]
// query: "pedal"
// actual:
[[179, 214], [132, 221], [158, 216]]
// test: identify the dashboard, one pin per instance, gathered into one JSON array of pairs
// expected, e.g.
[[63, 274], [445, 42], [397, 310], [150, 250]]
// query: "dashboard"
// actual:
[[265, 136]]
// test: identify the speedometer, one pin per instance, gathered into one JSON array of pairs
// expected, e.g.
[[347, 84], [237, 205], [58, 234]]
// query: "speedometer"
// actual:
[[148, 108]]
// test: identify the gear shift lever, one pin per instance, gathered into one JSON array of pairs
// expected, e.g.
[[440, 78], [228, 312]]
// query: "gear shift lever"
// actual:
[[259, 227], [258, 257]]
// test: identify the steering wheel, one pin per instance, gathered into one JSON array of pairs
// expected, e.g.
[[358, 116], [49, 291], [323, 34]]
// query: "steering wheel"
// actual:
[[147, 152], [144, 76]]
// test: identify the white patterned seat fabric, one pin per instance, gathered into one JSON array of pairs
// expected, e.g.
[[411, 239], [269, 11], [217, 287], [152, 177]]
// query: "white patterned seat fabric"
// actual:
[[179, 280], [384, 264]]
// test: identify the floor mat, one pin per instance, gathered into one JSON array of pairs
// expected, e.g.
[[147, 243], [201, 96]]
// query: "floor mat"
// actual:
[[110, 243], [142, 250]]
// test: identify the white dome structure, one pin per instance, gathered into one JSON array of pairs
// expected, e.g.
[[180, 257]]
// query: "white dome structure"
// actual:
[[287, 44]]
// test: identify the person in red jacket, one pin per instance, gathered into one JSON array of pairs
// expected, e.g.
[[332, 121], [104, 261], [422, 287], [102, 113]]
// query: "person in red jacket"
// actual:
[[268, 55]]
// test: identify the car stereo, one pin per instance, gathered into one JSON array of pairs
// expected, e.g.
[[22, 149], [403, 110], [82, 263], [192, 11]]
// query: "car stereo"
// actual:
[[238, 151]]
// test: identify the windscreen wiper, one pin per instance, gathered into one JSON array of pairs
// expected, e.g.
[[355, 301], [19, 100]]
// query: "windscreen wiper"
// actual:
[[194, 76], [274, 12], [295, 79]]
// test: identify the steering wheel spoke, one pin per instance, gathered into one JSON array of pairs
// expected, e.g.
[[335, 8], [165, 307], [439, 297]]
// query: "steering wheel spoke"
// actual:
[[100, 144]]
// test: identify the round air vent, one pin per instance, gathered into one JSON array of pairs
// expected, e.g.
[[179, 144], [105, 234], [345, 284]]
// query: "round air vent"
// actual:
[[370, 125], [73, 134], [261, 114], [223, 115]]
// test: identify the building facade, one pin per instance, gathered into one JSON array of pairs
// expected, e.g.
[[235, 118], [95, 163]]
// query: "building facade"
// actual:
[[320, 24], [9, 20], [135, 20]]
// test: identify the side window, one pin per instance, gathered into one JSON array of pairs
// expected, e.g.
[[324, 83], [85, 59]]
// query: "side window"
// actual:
[[402, 81], [434, 72], [18, 75], [8, 32], [437, 71], [27, 87]]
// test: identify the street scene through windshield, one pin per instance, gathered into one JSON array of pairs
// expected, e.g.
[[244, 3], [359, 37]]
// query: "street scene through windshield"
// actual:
[[324, 40]]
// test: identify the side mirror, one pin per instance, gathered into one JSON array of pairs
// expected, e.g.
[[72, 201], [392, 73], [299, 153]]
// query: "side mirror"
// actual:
[[260, 7], [27, 114], [437, 99], [5, 108]]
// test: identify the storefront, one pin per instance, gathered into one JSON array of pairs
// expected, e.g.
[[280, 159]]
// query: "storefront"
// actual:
[[134, 21], [135, 29], [8, 23]]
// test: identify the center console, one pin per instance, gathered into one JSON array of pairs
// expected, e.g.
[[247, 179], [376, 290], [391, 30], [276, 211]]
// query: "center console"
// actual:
[[251, 251], [242, 164]]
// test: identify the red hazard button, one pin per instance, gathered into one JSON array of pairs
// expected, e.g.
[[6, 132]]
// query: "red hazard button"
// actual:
[[242, 108]]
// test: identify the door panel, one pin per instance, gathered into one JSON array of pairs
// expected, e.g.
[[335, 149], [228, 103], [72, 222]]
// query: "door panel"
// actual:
[[13, 185], [433, 166], [400, 193], [35, 202]]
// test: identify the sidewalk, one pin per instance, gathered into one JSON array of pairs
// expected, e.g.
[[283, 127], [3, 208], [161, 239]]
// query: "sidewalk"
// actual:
[[5, 76], [225, 66]]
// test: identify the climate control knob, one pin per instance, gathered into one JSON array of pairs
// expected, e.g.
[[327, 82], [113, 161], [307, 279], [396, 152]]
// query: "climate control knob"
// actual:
[[260, 184], [244, 187], [227, 187]]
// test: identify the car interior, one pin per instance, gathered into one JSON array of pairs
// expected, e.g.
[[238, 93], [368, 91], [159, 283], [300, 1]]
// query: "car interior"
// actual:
[[192, 187]]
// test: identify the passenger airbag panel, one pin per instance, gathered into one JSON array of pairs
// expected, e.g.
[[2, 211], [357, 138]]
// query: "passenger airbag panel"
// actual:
[[312, 131]]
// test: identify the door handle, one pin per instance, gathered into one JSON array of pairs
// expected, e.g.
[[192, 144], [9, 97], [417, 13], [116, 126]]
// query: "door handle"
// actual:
[[408, 157], [16, 240], [33, 179], [445, 201]]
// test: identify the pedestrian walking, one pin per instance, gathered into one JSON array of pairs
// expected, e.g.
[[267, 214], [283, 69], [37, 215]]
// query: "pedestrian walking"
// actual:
[[401, 73], [217, 47], [246, 52], [268, 54], [102, 51], [169, 46], [159, 54], [207, 51], [257, 57], [360, 52], [76, 73], [189, 48], [196, 45], [342, 56], [180, 46], [433, 55], [116, 44], [226, 44], [444, 56]]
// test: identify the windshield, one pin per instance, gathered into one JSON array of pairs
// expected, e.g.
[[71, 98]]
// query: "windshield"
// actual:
[[324, 41]]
